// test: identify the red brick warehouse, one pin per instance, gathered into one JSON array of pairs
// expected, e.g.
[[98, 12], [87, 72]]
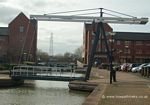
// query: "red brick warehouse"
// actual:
[[3, 43], [22, 39], [131, 47], [88, 40]]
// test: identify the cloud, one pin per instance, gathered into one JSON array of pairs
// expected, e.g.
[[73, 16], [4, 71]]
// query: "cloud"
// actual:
[[1, 1], [7, 13], [68, 36], [43, 6]]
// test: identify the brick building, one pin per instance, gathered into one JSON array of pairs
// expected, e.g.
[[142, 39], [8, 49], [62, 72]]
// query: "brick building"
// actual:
[[132, 47], [21, 39], [88, 39], [3, 43]]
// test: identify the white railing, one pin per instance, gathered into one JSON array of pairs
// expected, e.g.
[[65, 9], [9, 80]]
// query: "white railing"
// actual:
[[42, 71]]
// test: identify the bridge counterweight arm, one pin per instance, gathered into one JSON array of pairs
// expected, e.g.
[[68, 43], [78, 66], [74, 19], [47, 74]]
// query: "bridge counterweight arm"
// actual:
[[115, 20]]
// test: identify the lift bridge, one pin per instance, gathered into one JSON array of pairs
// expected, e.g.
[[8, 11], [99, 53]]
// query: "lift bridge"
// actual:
[[45, 73]]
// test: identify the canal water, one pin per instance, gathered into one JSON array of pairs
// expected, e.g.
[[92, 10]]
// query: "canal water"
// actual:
[[42, 93]]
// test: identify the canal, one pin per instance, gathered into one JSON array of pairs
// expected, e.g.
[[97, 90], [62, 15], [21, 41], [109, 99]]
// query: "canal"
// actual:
[[41, 93]]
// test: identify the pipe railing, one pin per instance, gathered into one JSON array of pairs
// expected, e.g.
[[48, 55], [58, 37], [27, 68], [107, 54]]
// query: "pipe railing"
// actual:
[[42, 71]]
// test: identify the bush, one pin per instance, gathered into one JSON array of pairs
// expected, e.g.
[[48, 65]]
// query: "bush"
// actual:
[[6, 66], [29, 63]]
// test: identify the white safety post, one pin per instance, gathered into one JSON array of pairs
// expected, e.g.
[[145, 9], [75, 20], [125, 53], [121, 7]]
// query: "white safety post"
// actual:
[[33, 71], [13, 71], [27, 71], [19, 70], [41, 72]]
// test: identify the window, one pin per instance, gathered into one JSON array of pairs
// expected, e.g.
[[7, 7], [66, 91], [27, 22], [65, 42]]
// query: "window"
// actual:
[[107, 33], [147, 52], [147, 43], [138, 43], [92, 41], [139, 52], [127, 51], [118, 42], [99, 42], [21, 28], [21, 40], [127, 42], [98, 49]]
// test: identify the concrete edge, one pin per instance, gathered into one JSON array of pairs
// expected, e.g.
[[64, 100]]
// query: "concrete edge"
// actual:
[[7, 82], [95, 97]]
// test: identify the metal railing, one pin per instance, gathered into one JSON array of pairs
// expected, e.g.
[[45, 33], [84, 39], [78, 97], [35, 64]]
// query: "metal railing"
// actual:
[[42, 71]]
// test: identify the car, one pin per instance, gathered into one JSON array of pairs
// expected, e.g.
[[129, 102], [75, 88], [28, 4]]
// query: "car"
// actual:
[[125, 66], [138, 68], [148, 65], [132, 66], [134, 69]]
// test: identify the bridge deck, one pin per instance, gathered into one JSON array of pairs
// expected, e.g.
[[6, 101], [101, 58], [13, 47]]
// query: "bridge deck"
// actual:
[[44, 73], [52, 78]]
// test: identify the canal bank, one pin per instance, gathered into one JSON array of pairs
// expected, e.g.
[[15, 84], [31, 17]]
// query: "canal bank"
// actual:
[[82, 86], [96, 86], [6, 81]]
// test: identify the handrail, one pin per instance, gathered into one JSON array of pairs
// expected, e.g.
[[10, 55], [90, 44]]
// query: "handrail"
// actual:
[[41, 71]]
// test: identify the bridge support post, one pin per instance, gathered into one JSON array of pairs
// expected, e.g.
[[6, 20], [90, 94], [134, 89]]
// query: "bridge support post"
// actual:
[[93, 50], [100, 30]]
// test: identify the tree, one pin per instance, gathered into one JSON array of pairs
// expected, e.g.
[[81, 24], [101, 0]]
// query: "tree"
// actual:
[[68, 56], [42, 56], [78, 53]]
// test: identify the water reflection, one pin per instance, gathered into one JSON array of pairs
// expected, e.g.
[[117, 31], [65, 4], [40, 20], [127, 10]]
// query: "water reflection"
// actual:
[[41, 93]]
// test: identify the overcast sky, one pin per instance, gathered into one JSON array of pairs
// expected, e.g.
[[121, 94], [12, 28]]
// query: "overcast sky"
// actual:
[[68, 36]]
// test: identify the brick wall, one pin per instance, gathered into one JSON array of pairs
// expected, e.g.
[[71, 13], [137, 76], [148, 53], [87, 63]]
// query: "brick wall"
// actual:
[[88, 39], [136, 52], [3, 47], [22, 39]]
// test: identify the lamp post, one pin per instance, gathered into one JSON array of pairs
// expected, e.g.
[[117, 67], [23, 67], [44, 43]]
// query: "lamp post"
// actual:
[[24, 57], [112, 71], [120, 51], [126, 47]]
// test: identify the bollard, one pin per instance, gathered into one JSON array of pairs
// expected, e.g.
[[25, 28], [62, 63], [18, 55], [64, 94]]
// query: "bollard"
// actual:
[[148, 72], [142, 71], [145, 69]]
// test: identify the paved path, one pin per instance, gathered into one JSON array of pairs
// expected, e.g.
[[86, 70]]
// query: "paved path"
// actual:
[[130, 89]]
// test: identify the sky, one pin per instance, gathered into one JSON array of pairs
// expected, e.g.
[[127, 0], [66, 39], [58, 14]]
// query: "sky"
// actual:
[[69, 36]]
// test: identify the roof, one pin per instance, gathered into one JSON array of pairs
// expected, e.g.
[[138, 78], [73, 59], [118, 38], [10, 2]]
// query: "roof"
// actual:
[[130, 36], [3, 30], [21, 14], [107, 27]]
